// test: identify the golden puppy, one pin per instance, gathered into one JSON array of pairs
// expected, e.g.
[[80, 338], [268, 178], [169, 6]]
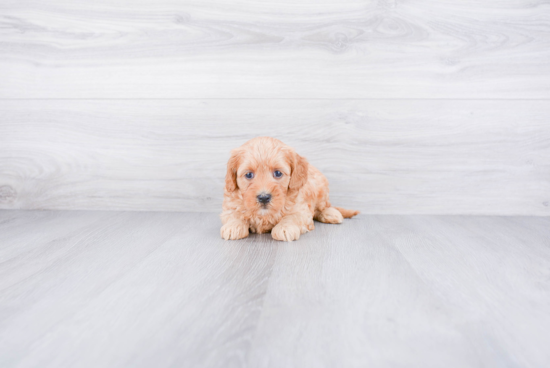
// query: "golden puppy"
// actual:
[[269, 187]]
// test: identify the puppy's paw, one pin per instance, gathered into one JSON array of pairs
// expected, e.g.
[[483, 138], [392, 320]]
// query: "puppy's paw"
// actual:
[[330, 215], [286, 232], [234, 231]]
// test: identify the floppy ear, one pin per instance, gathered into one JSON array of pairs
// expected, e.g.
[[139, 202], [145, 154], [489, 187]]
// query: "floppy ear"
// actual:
[[231, 175], [298, 177]]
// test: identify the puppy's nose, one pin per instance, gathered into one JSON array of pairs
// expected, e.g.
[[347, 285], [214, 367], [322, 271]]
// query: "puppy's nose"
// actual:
[[264, 198]]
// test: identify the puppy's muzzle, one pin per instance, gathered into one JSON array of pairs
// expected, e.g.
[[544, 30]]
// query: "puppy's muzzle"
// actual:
[[264, 198]]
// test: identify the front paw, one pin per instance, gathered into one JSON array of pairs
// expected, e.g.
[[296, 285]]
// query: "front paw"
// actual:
[[286, 232], [234, 231]]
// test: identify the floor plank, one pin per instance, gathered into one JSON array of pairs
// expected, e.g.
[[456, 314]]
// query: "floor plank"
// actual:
[[160, 289]]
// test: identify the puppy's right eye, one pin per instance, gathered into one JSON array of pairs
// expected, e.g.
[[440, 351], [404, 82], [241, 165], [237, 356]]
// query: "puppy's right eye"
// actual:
[[249, 175]]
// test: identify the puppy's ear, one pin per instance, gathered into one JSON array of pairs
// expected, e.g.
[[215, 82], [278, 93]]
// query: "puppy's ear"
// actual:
[[232, 167], [298, 177]]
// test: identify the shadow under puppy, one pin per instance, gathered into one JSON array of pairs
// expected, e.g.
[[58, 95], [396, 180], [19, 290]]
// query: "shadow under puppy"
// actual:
[[269, 187]]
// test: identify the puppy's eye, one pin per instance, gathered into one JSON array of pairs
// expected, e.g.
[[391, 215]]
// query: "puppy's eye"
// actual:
[[277, 174], [249, 175]]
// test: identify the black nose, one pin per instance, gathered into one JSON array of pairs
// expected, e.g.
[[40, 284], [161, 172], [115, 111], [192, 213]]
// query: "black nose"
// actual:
[[264, 198]]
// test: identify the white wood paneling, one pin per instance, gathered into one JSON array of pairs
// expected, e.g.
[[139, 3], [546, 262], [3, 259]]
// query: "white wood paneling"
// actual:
[[109, 289], [278, 49], [407, 106], [381, 156]]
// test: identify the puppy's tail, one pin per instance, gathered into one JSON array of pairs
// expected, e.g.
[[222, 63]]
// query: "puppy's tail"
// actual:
[[347, 213]]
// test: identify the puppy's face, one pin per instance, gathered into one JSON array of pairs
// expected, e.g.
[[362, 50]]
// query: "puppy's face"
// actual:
[[265, 171]]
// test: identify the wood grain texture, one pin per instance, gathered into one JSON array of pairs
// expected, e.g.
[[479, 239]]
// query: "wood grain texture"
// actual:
[[139, 289], [289, 49], [383, 156]]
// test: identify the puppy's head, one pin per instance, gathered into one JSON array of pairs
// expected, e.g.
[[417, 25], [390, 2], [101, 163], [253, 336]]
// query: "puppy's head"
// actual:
[[266, 172]]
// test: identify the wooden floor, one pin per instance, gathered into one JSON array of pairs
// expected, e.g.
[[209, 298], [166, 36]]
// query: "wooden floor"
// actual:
[[144, 289]]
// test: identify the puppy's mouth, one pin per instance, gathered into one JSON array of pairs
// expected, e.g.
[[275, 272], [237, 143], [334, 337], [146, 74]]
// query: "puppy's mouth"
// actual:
[[264, 209]]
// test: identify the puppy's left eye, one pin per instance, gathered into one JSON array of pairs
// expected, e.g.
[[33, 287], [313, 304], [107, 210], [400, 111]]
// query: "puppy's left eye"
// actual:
[[277, 174]]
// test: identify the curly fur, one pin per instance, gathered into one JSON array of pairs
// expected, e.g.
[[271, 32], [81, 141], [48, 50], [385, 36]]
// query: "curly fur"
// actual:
[[297, 198]]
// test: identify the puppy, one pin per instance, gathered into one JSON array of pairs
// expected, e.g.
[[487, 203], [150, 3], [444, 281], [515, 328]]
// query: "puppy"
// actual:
[[269, 187]]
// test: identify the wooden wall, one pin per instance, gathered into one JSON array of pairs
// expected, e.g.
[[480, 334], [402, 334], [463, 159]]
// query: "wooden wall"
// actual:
[[406, 106]]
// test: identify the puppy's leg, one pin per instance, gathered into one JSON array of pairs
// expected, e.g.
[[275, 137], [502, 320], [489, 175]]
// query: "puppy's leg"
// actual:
[[329, 215], [234, 229], [291, 226]]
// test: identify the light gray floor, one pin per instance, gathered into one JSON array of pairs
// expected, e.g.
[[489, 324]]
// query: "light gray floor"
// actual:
[[137, 289]]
